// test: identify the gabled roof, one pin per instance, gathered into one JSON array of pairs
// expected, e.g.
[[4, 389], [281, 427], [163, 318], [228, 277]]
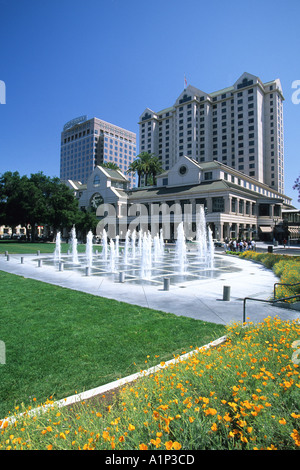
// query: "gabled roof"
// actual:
[[188, 190], [113, 174]]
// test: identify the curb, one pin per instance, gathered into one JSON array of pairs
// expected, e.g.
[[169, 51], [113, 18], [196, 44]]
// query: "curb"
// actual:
[[105, 388]]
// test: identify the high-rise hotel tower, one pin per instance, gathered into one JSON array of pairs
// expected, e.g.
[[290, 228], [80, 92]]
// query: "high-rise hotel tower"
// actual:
[[86, 143], [240, 126]]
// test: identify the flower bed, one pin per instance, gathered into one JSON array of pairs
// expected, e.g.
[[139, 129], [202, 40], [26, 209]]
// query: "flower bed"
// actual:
[[287, 268], [244, 394]]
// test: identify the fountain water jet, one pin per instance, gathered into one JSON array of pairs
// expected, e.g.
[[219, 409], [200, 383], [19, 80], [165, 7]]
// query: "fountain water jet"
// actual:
[[146, 260], [161, 241], [133, 238], [117, 246], [57, 252], [89, 249], [104, 245], [201, 236], [74, 246], [112, 256], [126, 247], [211, 248], [181, 248], [156, 247]]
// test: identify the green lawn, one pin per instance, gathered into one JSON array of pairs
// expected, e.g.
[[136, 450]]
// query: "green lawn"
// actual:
[[60, 341], [14, 247]]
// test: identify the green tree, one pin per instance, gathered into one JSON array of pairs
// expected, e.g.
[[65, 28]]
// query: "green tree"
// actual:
[[12, 198], [85, 221], [37, 200], [155, 168], [145, 164], [297, 187], [110, 165]]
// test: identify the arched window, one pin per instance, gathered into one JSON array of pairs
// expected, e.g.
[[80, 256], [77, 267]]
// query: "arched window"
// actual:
[[96, 200], [96, 180]]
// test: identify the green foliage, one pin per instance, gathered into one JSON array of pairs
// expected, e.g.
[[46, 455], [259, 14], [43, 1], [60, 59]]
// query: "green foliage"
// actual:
[[240, 395], [286, 267], [146, 164], [36, 200]]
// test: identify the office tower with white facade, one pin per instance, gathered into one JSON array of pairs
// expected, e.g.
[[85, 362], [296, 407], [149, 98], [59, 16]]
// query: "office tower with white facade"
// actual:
[[86, 143], [240, 126]]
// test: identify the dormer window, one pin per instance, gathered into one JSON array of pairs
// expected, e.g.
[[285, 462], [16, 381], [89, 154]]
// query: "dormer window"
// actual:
[[208, 176]]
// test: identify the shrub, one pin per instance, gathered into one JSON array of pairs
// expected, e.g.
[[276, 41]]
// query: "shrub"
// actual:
[[287, 268]]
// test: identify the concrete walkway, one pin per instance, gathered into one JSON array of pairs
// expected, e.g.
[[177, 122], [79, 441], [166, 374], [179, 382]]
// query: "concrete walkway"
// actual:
[[201, 299]]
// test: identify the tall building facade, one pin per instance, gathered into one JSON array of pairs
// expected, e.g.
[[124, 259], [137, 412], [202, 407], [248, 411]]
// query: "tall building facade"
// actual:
[[86, 143], [240, 126]]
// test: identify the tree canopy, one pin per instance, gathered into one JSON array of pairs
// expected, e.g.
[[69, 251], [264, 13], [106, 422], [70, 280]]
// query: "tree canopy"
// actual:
[[39, 200], [110, 165], [147, 165], [297, 187]]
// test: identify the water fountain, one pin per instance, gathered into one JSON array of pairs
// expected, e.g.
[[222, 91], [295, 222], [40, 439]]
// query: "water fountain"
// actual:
[[57, 252], [201, 236], [112, 256], [181, 248], [211, 249], [161, 241], [126, 250], [145, 259], [156, 248], [133, 239], [89, 249], [117, 246], [104, 245], [140, 242], [74, 246]]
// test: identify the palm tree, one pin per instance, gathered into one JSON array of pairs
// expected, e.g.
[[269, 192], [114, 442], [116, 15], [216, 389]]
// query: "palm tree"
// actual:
[[136, 167], [145, 164], [110, 165], [155, 168]]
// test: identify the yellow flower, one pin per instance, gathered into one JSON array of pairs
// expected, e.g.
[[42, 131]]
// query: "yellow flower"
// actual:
[[296, 436], [214, 427], [210, 411], [131, 427], [282, 421], [176, 445], [169, 445], [143, 447], [156, 442]]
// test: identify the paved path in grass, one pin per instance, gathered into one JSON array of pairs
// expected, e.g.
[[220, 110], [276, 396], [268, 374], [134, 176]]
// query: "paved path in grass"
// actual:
[[201, 299]]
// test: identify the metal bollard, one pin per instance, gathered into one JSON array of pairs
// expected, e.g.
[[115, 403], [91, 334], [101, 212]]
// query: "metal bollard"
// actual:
[[40, 263], [22, 259], [6, 253], [87, 271], [7, 257], [166, 283], [61, 266], [226, 293], [38, 253], [121, 277]]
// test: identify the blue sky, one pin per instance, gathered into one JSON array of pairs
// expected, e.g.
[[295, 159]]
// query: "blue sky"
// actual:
[[111, 59]]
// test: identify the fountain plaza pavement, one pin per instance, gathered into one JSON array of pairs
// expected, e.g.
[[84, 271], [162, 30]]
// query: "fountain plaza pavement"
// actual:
[[199, 297]]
